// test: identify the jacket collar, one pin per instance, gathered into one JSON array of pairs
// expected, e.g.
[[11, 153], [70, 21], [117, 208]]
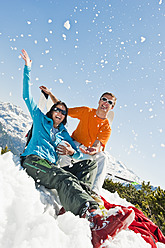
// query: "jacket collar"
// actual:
[[61, 126]]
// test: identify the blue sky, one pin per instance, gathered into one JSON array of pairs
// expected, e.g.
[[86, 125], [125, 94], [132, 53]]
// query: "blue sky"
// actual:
[[115, 46]]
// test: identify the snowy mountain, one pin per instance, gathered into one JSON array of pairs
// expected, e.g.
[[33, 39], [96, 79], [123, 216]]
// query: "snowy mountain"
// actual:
[[118, 172], [14, 125]]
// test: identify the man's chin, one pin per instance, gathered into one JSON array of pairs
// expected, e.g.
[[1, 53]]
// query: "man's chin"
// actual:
[[104, 109]]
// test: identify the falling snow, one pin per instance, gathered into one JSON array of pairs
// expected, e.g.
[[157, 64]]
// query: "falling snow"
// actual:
[[96, 47], [67, 25]]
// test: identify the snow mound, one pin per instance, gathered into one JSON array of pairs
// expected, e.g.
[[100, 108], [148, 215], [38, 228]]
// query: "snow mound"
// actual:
[[27, 223]]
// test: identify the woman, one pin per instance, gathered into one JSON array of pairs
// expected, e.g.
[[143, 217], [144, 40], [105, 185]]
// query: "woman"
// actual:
[[39, 160], [48, 132]]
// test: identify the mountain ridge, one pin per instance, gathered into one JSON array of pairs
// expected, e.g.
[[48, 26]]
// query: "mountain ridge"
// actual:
[[14, 124]]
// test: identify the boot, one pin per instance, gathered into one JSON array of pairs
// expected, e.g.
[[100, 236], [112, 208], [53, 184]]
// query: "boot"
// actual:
[[106, 227]]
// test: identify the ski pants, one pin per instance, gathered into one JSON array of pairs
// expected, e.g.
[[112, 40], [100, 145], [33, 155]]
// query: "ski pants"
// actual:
[[101, 160], [72, 183]]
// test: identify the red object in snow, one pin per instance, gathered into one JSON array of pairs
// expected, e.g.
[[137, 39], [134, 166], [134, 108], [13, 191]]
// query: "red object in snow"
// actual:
[[141, 224]]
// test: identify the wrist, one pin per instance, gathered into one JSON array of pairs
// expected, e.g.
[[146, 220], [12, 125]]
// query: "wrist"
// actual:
[[71, 153], [28, 64]]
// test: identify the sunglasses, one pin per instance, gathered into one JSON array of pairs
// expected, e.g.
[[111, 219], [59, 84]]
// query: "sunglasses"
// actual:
[[104, 99], [58, 110]]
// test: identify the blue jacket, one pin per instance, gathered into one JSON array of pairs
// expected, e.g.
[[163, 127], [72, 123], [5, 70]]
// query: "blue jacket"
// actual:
[[41, 143]]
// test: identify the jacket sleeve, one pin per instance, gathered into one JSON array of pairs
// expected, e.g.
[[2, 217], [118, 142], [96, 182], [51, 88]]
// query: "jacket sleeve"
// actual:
[[27, 92]]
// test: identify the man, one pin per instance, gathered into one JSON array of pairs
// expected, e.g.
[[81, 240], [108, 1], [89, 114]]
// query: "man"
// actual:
[[93, 132]]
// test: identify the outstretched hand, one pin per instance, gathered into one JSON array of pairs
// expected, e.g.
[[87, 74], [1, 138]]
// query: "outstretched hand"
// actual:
[[88, 150], [26, 58]]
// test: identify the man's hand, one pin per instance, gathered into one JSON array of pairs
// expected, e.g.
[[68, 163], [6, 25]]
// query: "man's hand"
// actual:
[[26, 58], [88, 150], [64, 148], [45, 89], [96, 147]]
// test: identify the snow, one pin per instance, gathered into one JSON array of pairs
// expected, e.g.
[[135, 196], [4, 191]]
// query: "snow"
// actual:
[[67, 25], [64, 36], [143, 39], [27, 223], [49, 21]]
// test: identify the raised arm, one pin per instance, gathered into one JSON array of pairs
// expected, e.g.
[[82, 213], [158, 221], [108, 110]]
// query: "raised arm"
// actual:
[[26, 84], [47, 91], [26, 58]]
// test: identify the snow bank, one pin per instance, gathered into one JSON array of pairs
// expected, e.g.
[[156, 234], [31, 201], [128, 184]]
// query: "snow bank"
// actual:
[[27, 223]]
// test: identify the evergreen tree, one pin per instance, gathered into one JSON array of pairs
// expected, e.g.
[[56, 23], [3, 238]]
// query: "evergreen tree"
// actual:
[[150, 202], [5, 150]]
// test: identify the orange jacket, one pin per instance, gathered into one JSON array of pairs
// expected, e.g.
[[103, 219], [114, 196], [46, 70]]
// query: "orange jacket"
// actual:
[[90, 127]]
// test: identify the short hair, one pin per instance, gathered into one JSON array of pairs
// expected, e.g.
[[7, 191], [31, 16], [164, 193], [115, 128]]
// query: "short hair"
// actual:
[[110, 94], [49, 113]]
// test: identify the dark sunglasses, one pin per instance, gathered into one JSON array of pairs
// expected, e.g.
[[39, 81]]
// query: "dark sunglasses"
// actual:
[[58, 110], [104, 99]]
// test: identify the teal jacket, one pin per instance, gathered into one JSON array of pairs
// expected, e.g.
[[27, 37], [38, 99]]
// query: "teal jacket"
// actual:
[[41, 143]]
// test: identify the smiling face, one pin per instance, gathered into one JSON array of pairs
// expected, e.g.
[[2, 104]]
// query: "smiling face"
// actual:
[[104, 105], [57, 115]]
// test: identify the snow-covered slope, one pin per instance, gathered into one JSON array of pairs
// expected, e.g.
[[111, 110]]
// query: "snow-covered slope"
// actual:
[[27, 223], [14, 125]]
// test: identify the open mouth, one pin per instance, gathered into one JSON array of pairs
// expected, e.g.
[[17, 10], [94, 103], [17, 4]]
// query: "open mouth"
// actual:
[[103, 107], [58, 117]]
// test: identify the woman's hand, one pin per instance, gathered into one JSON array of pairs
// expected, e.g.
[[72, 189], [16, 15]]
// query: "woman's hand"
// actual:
[[26, 58], [64, 148]]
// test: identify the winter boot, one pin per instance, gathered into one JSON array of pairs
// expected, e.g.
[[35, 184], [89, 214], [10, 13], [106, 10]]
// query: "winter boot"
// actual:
[[62, 211], [106, 227]]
